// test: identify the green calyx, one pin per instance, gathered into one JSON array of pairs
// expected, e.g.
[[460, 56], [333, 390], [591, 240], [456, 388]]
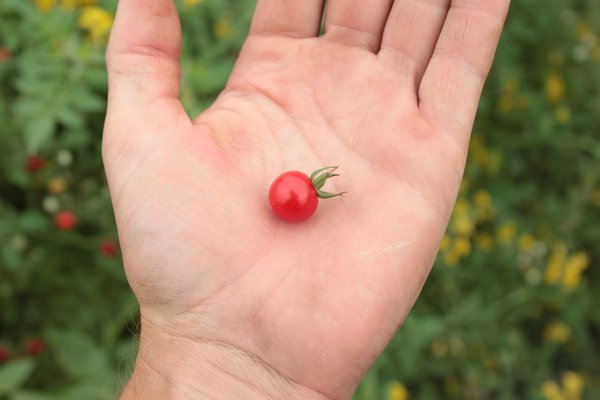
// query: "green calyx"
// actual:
[[319, 177]]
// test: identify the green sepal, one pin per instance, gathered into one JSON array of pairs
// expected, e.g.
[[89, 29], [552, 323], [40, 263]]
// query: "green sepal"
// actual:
[[327, 195], [319, 177], [317, 172]]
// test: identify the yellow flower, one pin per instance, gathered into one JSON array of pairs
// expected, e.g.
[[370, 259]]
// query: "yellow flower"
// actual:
[[526, 242], [72, 4], [583, 29], [445, 243], [439, 349], [596, 198], [459, 248], [483, 199], [511, 86], [397, 391], [551, 391], [451, 259], [45, 5], [563, 115], [506, 103], [557, 332], [488, 160], [461, 207], [462, 247], [461, 221], [572, 383], [463, 225], [485, 208], [573, 268], [191, 3], [565, 270], [596, 53], [554, 268], [57, 185], [484, 241], [507, 232], [222, 28], [555, 87], [96, 21]]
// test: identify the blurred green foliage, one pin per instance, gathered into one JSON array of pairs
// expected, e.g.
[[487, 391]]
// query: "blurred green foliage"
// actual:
[[510, 310]]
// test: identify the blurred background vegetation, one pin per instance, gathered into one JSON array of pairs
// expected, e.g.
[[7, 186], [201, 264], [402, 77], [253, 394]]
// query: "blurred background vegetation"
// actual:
[[511, 311]]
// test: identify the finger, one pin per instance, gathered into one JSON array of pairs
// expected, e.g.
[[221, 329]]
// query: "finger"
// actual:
[[293, 18], [410, 35], [356, 22], [143, 54], [451, 87]]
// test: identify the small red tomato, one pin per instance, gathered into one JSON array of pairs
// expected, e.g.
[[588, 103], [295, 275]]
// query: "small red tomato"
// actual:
[[35, 346], [4, 354], [34, 163], [294, 196], [4, 54], [108, 248], [65, 220]]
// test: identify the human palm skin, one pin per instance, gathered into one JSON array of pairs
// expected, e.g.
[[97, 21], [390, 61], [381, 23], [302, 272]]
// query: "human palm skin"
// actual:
[[290, 309]]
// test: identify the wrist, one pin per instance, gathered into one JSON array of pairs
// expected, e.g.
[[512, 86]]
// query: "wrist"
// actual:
[[170, 367]]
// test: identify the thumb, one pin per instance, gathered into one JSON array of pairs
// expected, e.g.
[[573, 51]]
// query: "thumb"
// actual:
[[144, 72], [143, 55]]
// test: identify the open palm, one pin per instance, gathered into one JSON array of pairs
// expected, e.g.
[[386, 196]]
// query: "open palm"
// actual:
[[388, 93]]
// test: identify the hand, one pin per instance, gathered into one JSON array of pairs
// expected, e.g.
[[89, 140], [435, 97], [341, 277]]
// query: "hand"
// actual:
[[233, 301]]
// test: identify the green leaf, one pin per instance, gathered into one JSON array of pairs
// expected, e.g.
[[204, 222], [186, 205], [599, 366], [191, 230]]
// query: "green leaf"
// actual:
[[70, 118], [33, 221], [14, 374], [29, 395], [26, 107], [80, 356], [37, 132], [210, 78], [85, 100], [89, 390], [11, 258]]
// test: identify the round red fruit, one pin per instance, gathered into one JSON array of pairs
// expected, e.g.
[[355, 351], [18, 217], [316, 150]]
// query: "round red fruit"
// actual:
[[4, 354], [294, 196], [35, 346], [108, 248], [4, 54], [34, 163], [65, 221]]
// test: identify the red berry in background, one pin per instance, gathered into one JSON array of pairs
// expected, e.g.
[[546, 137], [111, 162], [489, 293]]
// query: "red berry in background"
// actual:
[[35, 346], [294, 196], [4, 54], [108, 248], [65, 220], [34, 163], [4, 354]]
